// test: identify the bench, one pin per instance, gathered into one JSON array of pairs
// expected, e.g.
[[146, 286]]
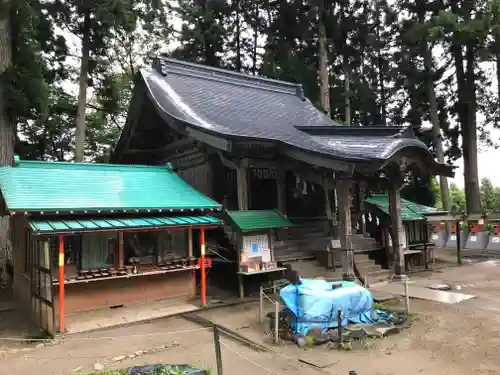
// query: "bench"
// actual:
[[422, 246]]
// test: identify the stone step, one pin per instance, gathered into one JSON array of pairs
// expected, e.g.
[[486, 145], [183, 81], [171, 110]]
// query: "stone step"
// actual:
[[368, 268], [293, 256], [381, 275], [310, 269]]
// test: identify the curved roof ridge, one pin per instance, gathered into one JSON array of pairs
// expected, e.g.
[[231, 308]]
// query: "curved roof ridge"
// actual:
[[200, 70], [66, 164]]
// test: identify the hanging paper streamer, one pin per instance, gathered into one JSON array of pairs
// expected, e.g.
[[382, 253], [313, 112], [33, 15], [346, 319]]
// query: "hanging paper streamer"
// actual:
[[377, 220], [363, 218], [370, 217]]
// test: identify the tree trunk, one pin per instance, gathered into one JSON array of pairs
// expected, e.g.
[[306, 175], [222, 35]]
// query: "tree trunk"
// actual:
[[324, 81], [255, 40], [347, 93], [456, 50], [498, 79], [7, 138], [383, 101], [436, 129], [82, 92], [238, 37], [469, 142]]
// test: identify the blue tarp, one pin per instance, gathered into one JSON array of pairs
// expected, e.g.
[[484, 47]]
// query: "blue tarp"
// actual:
[[315, 303]]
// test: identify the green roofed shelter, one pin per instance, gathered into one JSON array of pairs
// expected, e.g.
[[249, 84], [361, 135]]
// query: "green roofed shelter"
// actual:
[[73, 225], [91, 236], [255, 220], [410, 211], [36, 186]]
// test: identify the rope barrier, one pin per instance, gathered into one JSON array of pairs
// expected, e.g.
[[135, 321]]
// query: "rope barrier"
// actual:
[[248, 359], [14, 339]]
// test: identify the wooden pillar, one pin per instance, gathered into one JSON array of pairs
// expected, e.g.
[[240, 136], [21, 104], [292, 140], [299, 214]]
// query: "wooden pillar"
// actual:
[[281, 189], [331, 216], [190, 242], [203, 271], [281, 194], [344, 199], [239, 247], [397, 231], [61, 284], [361, 195], [121, 251], [242, 186]]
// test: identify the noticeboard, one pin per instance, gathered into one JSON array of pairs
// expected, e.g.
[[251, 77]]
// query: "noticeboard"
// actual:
[[257, 246]]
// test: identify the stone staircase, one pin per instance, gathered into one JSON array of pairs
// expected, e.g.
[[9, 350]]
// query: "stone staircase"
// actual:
[[298, 249], [303, 242]]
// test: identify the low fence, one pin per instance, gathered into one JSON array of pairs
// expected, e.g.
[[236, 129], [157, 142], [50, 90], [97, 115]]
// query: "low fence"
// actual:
[[274, 299]]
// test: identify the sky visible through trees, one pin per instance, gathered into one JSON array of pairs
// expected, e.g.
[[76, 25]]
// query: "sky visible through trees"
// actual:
[[422, 64]]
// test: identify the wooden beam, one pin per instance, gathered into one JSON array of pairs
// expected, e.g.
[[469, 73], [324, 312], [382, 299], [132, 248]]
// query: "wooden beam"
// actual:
[[174, 146], [319, 160], [344, 196], [397, 230], [121, 250], [190, 242], [217, 142], [242, 186], [226, 162]]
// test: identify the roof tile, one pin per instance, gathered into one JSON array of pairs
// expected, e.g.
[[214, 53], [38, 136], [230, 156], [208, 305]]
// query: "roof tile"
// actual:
[[51, 186]]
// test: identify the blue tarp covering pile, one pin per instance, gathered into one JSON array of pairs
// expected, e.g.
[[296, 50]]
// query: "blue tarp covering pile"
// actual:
[[315, 303]]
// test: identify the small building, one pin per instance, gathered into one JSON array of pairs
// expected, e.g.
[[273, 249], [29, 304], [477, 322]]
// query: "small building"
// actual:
[[90, 236], [256, 144], [255, 242], [414, 232], [412, 214]]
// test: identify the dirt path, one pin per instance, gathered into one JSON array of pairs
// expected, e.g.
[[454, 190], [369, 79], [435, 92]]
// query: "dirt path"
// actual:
[[446, 340], [142, 344]]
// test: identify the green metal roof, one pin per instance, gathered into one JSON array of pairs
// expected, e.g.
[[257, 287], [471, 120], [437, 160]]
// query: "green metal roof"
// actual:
[[73, 225], [410, 211], [58, 186], [258, 219]]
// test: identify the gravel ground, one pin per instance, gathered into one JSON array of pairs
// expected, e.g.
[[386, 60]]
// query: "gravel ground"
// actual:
[[458, 339]]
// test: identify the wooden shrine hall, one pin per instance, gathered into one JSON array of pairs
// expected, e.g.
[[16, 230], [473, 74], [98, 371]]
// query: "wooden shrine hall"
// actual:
[[254, 143], [88, 236]]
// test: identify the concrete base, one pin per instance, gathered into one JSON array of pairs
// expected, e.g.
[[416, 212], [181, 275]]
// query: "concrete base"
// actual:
[[494, 242], [439, 239], [452, 240], [477, 241], [348, 277], [400, 277]]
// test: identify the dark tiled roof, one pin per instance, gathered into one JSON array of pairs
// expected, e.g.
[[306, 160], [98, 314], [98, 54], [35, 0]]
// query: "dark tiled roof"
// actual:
[[239, 105]]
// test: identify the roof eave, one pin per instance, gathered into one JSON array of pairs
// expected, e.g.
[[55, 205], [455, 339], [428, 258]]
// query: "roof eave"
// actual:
[[93, 210]]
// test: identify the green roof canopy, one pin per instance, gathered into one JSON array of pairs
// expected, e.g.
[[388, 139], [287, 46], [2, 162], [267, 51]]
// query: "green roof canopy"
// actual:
[[73, 225], [56, 186], [258, 219], [410, 211]]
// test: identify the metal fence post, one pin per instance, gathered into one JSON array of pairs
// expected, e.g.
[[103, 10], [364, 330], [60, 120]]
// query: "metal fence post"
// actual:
[[261, 303], [276, 322], [218, 353], [407, 296], [459, 240], [339, 327]]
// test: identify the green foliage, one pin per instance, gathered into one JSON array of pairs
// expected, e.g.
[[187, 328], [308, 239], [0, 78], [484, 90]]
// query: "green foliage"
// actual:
[[457, 199], [379, 43], [26, 83]]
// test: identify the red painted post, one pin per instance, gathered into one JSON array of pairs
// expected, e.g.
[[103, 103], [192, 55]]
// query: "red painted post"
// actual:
[[202, 266], [61, 284]]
